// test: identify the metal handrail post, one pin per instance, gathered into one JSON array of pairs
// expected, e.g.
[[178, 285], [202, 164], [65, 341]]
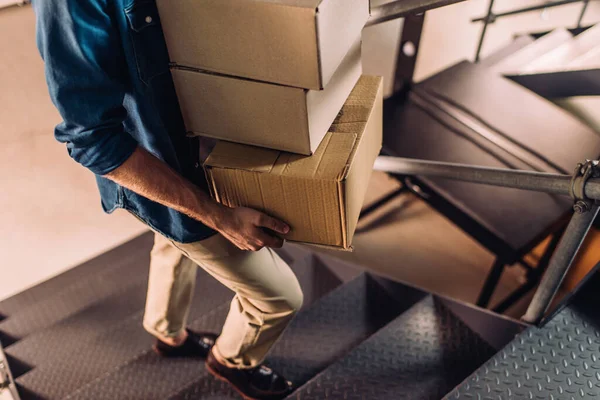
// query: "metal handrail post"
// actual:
[[488, 20], [559, 264]]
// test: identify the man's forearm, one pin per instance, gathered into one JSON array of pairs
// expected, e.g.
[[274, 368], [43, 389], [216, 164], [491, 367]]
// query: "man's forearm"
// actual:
[[150, 177]]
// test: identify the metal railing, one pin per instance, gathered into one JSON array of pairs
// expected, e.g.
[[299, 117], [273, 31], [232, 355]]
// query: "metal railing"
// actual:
[[402, 8], [583, 186], [491, 17], [8, 389]]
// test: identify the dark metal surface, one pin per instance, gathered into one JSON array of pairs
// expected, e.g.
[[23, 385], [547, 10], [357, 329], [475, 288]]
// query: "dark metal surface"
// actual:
[[113, 260], [491, 281], [402, 8], [408, 51], [515, 220], [560, 263], [559, 361], [495, 329], [421, 355], [561, 83], [71, 365], [304, 348], [79, 328], [486, 21], [76, 297], [108, 335]]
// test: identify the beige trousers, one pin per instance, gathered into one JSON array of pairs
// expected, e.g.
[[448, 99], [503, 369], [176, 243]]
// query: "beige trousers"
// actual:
[[267, 295]]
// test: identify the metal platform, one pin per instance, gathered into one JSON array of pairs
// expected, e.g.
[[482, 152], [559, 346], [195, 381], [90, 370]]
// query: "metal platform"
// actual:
[[350, 313], [558, 361]]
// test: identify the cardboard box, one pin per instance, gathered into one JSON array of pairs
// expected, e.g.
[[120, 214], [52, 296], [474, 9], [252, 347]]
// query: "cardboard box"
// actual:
[[263, 114], [321, 196], [291, 42]]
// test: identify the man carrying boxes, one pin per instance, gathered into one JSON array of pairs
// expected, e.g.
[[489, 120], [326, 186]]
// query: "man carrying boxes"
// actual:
[[270, 73]]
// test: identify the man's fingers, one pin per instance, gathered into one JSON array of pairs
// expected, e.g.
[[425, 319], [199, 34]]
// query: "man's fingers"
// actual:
[[264, 239], [277, 243], [273, 224]]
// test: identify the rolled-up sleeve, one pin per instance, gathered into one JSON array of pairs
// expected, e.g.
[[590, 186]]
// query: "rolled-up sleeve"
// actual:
[[87, 78]]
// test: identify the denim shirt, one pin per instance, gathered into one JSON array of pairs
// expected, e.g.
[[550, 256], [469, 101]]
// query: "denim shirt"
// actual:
[[107, 70]]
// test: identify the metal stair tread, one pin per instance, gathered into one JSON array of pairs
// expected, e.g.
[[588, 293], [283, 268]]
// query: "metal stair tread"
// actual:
[[421, 354], [136, 378], [76, 297], [115, 258], [72, 364], [320, 336], [560, 360]]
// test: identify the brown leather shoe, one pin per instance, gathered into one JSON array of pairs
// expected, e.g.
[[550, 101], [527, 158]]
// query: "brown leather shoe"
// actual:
[[197, 344], [259, 383]]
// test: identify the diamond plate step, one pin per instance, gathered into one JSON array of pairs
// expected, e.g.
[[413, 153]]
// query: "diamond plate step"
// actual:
[[319, 336], [103, 337], [81, 327], [113, 259], [142, 377], [120, 275], [560, 361], [420, 355]]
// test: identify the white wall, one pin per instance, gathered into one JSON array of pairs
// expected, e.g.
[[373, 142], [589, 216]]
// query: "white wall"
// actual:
[[6, 3]]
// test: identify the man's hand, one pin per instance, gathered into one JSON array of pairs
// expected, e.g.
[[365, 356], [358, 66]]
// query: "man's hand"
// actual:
[[245, 228]]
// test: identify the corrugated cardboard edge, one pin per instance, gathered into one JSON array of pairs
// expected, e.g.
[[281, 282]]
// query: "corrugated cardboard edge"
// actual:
[[349, 249], [344, 175]]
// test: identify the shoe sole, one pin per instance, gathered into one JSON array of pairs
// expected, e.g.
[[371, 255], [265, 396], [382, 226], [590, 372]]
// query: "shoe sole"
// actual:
[[223, 379]]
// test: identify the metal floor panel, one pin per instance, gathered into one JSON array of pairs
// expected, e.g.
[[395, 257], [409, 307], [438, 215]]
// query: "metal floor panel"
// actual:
[[560, 361], [113, 259], [74, 299], [77, 296], [317, 337], [149, 376], [421, 355], [143, 377], [79, 328], [108, 336], [71, 366]]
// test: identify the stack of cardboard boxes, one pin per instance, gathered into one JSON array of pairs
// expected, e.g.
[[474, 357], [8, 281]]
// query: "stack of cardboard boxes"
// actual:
[[279, 82]]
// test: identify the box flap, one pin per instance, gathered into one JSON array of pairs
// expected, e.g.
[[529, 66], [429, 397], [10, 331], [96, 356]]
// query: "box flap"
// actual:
[[364, 153], [331, 159], [238, 156]]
